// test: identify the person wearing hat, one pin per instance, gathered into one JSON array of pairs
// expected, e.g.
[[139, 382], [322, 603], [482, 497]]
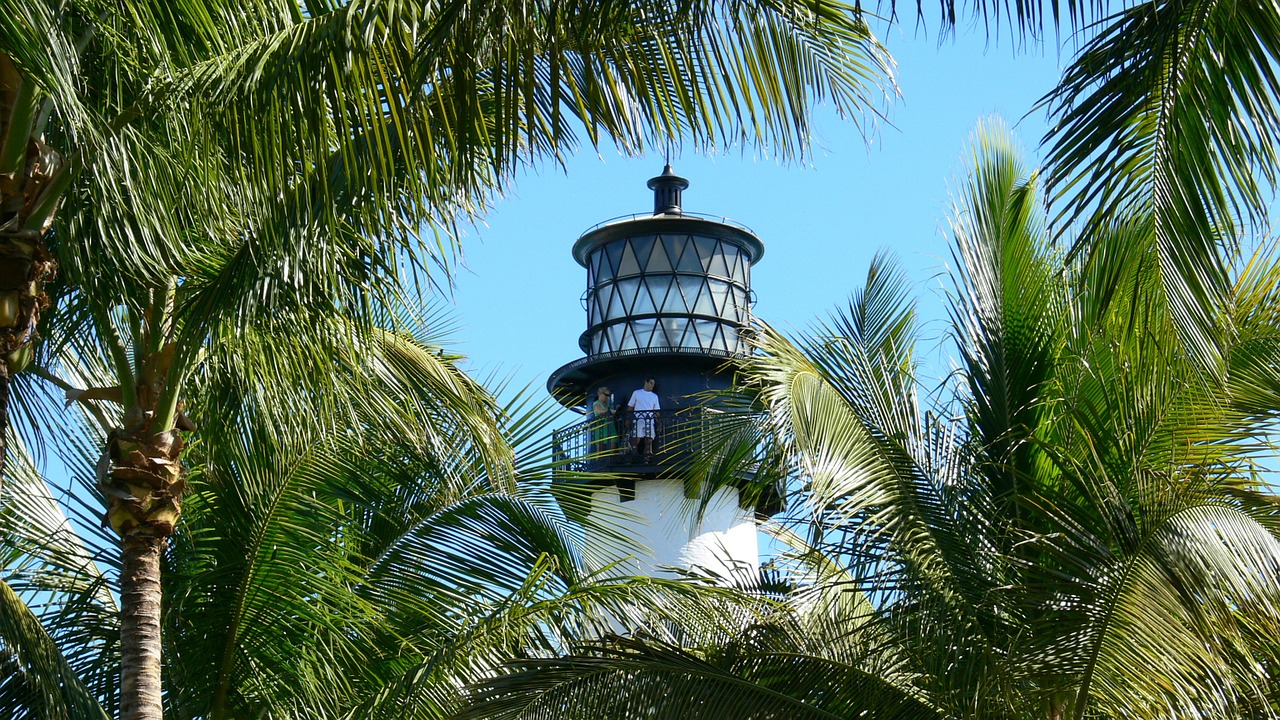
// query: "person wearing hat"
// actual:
[[601, 413]]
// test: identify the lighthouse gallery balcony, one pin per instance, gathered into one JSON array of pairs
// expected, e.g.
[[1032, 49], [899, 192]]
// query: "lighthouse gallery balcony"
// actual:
[[609, 444]]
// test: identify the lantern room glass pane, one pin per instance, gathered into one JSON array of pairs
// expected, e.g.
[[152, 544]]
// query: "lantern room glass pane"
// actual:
[[720, 298], [684, 337], [628, 265], [732, 341], [616, 310], [689, 260], [594, 311], [671, 329], [702, 305], [741, 305], [614, 249], [718, 266], [658, 260], [737, 262], [643, 330], [628, 338], [730, 333], [599, 267], [706, 249], [706, 332], [644, 301], [643, 248], [627, 289], [663, 295], [689, 287], [614, 336], [674, 245], [690, 339], [717, 339]]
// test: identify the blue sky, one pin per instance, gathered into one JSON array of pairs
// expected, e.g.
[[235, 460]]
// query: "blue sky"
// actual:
[[517, 299]]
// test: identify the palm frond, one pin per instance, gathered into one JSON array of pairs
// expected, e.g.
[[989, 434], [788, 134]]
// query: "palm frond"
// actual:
[[623, 678], [1170, 113], [1009, 306], [60, 613], [37, 680]]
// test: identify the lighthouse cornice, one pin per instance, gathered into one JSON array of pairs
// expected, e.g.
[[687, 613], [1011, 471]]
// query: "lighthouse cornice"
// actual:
[[672, 223], [572, 381]]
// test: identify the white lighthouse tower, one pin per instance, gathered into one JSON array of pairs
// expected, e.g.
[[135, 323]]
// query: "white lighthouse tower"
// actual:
[[667, 296]]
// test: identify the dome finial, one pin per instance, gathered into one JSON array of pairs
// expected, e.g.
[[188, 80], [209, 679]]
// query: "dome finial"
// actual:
[[666, 192]]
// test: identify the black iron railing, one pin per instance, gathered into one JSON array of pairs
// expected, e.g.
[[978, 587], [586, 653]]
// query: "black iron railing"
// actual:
[[650, 216], [620, 441]]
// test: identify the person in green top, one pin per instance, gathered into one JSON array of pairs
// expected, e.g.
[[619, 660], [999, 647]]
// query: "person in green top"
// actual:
[[602, 413]]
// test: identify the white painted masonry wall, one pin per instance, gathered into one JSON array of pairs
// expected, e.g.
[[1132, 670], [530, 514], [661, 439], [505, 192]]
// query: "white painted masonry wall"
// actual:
[[723, 543]]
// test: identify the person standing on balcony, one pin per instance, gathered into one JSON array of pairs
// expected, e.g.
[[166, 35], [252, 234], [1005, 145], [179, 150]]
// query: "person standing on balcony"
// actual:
[[601, 414], [644, 405]]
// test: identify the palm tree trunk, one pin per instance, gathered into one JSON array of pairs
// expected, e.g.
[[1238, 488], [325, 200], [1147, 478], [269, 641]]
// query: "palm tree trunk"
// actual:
[[144, 494], [140, 648]]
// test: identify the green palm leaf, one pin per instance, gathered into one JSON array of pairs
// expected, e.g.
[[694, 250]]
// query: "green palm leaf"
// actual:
[[1170, 113], [57, 614]]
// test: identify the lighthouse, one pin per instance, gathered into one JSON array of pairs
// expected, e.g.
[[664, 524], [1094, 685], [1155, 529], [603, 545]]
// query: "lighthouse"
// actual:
[[668, 301]]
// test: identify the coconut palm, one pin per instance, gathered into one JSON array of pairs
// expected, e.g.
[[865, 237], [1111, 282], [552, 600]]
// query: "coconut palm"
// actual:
[[1080, 529], [398, 390], [232, 186]]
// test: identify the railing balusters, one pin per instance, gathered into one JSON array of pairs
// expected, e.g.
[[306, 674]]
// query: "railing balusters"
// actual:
[[598, 444]]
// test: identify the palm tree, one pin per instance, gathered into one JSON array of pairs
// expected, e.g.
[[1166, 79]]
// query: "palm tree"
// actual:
[[1081, 529], [232, 186]]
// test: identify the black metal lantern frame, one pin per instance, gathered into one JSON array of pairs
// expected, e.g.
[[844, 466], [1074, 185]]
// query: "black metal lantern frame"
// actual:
[[667, 291]]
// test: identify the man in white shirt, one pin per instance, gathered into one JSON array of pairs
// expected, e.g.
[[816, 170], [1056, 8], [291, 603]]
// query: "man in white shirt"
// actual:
[[645, 402]]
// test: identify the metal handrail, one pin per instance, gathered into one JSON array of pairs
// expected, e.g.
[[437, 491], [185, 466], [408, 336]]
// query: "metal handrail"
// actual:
[[648, 216], [602, 443]]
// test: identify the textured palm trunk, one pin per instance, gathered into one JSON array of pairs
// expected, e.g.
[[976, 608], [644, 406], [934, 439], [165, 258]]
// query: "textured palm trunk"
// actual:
[[144, 489], [140, 689], [27, 172], [144, 493]]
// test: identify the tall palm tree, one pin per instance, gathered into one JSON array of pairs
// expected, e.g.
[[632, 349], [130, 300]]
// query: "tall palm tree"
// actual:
[[1078, 528], [233, 185]]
